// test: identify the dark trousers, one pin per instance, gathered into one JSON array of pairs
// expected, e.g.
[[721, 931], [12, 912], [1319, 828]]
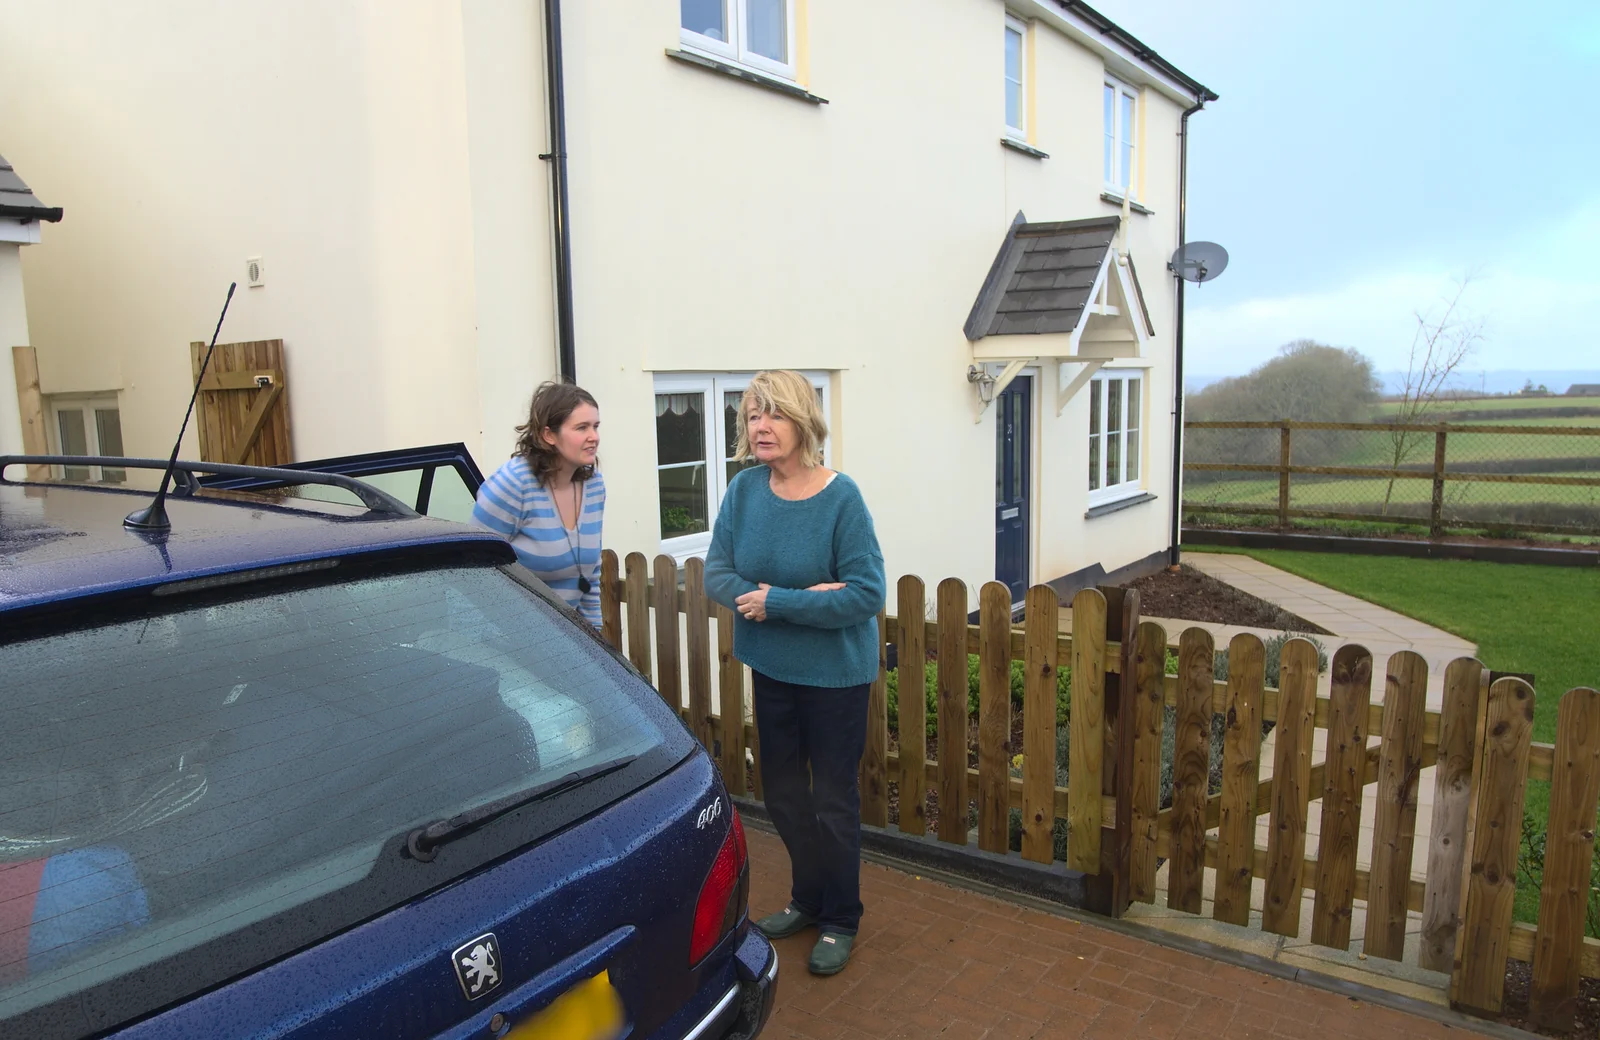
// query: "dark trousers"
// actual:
[[812, 738]]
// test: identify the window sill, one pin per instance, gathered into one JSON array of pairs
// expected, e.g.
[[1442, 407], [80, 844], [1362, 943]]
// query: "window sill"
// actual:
[[758, 79], [1024, 147], [1107, 508], [1116, 200]]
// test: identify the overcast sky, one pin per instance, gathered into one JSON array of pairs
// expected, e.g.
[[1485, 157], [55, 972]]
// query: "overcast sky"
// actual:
[[1366, 155]]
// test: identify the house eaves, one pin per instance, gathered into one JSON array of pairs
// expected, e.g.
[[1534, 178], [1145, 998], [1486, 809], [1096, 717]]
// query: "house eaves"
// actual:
[[1093, 29], [17, 201]]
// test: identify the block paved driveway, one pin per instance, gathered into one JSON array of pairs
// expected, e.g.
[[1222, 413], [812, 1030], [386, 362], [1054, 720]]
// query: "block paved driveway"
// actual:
[[932, 960]]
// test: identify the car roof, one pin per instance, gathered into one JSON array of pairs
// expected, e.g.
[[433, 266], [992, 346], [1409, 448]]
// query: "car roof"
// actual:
[[63, 542]]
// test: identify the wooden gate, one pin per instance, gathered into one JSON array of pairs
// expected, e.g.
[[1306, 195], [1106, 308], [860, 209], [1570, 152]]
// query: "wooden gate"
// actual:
[[244, 403]]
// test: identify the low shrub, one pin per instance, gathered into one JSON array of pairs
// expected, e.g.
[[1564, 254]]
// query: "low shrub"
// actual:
[[1274, 656], [1530, 872], [931, 692]]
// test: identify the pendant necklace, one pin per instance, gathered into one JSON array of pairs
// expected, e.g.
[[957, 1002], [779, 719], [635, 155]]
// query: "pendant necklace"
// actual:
[[577, 519]]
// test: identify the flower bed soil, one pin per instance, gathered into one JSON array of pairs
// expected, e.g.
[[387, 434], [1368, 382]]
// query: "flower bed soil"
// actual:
[[1192, 595]]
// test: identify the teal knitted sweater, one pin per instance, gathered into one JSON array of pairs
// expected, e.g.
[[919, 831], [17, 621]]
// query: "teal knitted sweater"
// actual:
[[825, 639]]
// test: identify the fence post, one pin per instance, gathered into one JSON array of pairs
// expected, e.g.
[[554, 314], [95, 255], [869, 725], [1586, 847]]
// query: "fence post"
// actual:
[[912, 657], [994, 716], [1039, 727], [1191, 768], [1241, 768], [1291, 788], [1086, 731], [874, 768], [1477, 983], [1283, 474], [1564, 898], [1144, 697], [1394, 832], [697, 619], [953, 717], [610, 600], [637, 587], [668, 675], [1465, 687], [1344, 789], [1110, 890], [1436, 511], [730, 687]]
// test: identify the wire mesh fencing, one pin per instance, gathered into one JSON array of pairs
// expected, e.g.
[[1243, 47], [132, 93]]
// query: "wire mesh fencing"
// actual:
[[1500, 480]]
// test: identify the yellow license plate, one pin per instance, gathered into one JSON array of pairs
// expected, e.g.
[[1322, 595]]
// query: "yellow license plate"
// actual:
[[591, 1010]]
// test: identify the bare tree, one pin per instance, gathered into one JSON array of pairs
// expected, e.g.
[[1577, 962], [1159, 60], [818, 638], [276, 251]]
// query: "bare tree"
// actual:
[[1438, 347]]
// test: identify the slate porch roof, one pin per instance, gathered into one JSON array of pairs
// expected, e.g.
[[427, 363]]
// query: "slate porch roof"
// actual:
[[1042, 277], [17, 202]]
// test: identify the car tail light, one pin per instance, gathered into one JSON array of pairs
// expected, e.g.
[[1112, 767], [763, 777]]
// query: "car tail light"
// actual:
[[723, 895]]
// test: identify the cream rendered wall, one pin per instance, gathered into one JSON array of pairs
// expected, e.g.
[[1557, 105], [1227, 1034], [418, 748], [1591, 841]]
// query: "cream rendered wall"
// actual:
[[185, 136], [1071, 127], [383, 158], [511, 214], [719, 226], [13, 333]]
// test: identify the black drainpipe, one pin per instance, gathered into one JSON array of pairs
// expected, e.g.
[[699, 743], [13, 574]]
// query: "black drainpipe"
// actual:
[[556, 92], [1177, 368]]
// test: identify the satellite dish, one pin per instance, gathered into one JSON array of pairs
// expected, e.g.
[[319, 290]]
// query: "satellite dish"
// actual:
[[1199, 261]]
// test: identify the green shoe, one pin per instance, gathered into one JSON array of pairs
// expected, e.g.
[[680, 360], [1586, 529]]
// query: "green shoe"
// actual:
[[831, 953], [785, 922]]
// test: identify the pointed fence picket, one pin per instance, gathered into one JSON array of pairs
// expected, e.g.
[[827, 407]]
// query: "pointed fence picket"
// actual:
[[1116, 831]]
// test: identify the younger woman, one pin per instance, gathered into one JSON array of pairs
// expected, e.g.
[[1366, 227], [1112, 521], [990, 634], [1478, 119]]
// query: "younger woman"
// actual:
[[548, 500]]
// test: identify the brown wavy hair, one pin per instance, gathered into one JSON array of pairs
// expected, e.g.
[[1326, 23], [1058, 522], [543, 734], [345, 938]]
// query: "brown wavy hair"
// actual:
[[552, 405]]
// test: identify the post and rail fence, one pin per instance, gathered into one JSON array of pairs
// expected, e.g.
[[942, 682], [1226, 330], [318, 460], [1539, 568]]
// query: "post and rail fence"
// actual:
[[1461, 885], [1443, 477]]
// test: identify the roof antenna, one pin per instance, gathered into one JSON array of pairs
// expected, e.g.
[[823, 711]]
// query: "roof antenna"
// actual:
[[153, 518]]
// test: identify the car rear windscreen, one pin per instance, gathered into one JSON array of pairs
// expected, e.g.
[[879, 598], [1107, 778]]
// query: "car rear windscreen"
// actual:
[[170, 780]]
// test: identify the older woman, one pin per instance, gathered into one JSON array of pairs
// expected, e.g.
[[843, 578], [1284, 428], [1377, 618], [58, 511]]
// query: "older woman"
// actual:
[[549, 500], [795, 555]]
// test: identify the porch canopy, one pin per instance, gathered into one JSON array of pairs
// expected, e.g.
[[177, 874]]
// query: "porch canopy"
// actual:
[[1064, 291]]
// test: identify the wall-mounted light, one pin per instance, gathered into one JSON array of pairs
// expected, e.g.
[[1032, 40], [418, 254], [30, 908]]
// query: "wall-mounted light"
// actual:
[[983, 380]]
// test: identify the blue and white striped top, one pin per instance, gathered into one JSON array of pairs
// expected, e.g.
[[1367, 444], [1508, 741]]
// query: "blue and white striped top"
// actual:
[[513, 504]]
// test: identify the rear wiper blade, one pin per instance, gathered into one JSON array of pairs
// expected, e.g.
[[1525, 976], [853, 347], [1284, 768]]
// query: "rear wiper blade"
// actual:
[[423, 843]]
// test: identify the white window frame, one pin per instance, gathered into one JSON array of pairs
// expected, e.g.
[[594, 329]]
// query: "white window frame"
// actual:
[[87, 404], [1018, 26], [1121, 138], [736, 15], [1124, 487], [714, 385]]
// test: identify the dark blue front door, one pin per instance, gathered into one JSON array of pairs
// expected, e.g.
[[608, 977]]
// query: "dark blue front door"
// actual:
[[1012, 466]]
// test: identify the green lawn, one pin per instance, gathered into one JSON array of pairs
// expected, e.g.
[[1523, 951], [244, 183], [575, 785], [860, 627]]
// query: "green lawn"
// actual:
[[1524, 618]]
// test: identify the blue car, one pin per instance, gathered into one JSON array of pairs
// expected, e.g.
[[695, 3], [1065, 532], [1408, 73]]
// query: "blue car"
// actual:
[[310, 768]]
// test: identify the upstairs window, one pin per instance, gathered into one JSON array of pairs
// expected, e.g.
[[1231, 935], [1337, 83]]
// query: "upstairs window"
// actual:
[[755, 33], [1121, 106], [1016, 77]]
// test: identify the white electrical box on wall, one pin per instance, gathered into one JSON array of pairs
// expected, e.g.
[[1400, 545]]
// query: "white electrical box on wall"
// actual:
[[255, 275]]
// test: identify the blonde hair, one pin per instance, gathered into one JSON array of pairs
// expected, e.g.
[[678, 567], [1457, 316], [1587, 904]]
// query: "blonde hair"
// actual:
[[791, 395]]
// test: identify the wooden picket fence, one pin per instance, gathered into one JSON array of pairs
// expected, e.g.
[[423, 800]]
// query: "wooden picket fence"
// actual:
[[1480, 740]]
